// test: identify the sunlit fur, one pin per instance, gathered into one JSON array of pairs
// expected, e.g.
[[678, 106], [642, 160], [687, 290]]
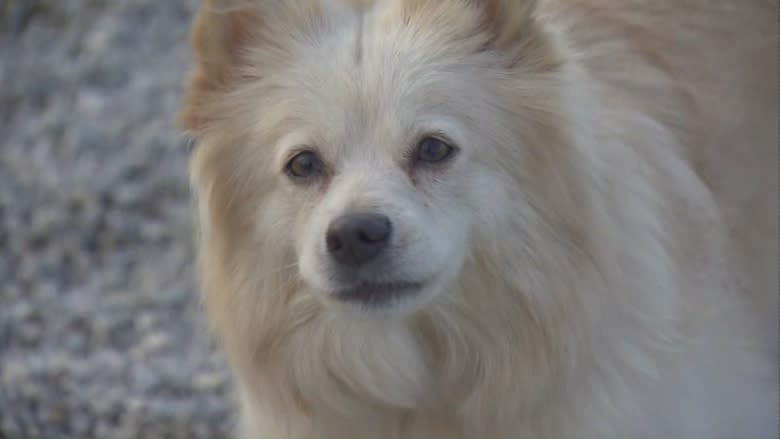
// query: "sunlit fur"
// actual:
[[600, 257]]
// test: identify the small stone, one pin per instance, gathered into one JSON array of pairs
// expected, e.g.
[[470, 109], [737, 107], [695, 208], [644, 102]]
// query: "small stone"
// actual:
[[10, 426], [144, 380], [112, 360], [145, 321], [207, 381], [81, 424], [153, 231], [29, 332], [59, 364], [20, 311], [51, 414], [152, 343], [13, 373]]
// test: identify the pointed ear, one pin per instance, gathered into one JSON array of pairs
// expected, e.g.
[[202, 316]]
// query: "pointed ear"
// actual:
[[220, 35], [516, 33], [221, 32], [509, 20]]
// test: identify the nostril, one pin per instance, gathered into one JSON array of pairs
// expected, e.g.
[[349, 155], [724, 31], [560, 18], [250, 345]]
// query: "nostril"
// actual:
[[374, 229], [333, 242]]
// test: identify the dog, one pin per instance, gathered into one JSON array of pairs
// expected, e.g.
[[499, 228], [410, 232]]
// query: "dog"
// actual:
[[490, 218]]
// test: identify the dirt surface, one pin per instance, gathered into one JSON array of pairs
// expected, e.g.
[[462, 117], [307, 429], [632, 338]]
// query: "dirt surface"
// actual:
[[101, 334]]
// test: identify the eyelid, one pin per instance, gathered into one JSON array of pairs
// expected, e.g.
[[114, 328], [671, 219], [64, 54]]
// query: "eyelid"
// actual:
[[438, 135], [296, 150], [290, 144], [443, 127]]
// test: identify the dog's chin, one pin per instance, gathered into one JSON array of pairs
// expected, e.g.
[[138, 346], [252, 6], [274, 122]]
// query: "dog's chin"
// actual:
[[390, 298], [370, 294]]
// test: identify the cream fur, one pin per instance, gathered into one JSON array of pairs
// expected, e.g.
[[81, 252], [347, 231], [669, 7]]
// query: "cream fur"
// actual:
[[601, 257]]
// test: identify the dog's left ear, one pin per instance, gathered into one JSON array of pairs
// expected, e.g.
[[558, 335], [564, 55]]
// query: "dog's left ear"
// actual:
[[509, 21], [515, 32]]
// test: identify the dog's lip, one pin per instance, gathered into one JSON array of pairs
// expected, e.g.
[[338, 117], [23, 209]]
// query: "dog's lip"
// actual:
[[379, 293]]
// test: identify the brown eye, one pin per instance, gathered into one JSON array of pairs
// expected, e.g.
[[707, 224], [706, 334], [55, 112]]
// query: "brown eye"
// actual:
[[303, 165], [434, 150]]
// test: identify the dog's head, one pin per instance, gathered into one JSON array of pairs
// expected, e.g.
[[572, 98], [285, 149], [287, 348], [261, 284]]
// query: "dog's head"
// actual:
[[372, 147]]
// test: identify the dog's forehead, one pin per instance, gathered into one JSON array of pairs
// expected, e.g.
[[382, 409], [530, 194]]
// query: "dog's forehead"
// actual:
[[372, 81], [377, 93], [361, 79]]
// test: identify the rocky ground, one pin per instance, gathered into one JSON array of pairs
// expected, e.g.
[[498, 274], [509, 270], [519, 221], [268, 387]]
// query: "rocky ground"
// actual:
[[100, 330]]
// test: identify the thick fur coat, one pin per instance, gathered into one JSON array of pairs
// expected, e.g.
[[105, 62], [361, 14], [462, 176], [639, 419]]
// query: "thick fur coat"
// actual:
[[598, 256]]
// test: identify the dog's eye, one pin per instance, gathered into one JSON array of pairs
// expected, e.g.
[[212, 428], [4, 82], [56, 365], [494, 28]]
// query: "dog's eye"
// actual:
[[303, 165], [434, 150]]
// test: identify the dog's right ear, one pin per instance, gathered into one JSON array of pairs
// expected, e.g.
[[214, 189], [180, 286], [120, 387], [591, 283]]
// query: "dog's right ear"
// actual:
[[221, 34]]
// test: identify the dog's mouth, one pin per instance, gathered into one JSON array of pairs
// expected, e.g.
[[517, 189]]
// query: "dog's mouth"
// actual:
[[377, 294]]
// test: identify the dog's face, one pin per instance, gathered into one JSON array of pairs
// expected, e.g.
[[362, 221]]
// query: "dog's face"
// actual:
[[384, 210], [377, 174], [369, 143]]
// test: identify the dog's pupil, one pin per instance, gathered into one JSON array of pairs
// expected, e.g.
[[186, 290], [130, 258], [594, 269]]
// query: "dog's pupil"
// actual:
[[433, 149], [304, 164]]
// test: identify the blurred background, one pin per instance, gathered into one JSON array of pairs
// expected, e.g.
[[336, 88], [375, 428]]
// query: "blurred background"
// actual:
[[101, 334]]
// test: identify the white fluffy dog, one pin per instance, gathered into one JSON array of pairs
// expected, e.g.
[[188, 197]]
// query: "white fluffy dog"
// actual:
[[491, 218]]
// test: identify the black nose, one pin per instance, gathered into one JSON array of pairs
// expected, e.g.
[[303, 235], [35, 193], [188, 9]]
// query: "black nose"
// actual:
[[357, 238]]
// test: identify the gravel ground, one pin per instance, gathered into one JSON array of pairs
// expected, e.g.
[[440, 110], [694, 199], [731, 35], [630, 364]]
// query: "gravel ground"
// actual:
[[101, 334]]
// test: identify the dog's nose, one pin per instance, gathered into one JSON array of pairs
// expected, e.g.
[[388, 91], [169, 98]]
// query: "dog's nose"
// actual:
[[357, 238]]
